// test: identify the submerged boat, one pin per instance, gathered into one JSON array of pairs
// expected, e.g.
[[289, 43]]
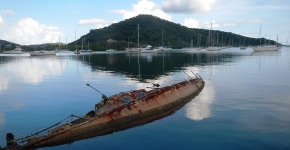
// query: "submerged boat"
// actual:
[[114, 113]]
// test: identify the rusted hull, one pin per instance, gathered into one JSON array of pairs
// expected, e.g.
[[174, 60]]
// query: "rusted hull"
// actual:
[[157, 105]]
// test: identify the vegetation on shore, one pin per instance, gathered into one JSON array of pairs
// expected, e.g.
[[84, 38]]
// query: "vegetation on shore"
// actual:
[[124, 34]]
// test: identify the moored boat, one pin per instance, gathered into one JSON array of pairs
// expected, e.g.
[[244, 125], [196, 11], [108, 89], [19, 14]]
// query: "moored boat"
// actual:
[[212, 48], [114, 113], [266, 48], [148, 49], [17, 50], [77, 52], [243, 48], [42, 53]]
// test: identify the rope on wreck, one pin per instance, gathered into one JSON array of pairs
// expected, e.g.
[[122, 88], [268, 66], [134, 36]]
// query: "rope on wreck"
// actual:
[[198, 76], [36, 133], [194, 82]]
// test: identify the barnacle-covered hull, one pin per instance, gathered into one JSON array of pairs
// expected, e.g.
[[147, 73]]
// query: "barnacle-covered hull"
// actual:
[[154, 105]]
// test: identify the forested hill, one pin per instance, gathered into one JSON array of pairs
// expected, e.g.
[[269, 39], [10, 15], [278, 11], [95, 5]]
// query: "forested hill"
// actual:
[[5, 45], [150, 32]]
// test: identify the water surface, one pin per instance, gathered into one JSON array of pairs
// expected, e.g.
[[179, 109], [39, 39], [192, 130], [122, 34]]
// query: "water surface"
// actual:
[[244, 104]]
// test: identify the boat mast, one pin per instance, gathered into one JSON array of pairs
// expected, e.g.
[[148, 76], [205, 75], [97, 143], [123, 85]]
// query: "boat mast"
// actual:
[[82, 44], [58, 43], [210, 35], [162, 39], [217, 39], [75, 38], [260, 33], [277, 40], [287, 39], [109, 42], [138, 35], [191, 45], [197, 40]]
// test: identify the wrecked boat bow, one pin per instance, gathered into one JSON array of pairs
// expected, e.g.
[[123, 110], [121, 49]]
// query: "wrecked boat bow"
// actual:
[[115, 113]]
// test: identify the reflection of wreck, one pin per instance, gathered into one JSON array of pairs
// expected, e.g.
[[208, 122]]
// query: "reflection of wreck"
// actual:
[[115, 113]]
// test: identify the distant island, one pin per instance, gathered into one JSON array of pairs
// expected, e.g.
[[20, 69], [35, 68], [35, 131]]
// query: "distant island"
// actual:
[[124, 34]]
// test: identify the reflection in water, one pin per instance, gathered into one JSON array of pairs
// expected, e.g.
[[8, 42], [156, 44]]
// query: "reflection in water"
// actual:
[[2, 119], [232, 72], [35, 69], [151, 66], [200, 107], [3, 82], [17, 105], [266, 53]]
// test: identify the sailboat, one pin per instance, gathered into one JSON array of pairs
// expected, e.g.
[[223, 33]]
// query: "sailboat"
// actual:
[[76, 51], [45, 52], [243, 47], [191, 46], [88, 50], [287, 41], [110, 49], [265, 47], [146, 49], [211, 46], [136, 49], [164, 48]]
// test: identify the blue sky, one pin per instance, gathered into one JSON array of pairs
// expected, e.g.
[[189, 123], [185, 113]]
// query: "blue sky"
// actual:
[[36, 22]]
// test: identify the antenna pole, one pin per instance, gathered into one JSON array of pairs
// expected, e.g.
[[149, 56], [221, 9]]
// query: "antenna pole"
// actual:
[[103, 95]]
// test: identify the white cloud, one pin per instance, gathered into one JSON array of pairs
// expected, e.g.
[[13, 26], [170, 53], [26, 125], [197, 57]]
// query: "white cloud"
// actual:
[[144, 7], [249, 20], [191, 23], [215, 25], [1, 21], [212, 24], [7, 12], [188, 6], [99, 23], [28, 31], [229, 24]]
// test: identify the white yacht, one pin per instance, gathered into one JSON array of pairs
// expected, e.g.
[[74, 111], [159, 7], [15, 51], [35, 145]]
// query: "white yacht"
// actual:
[[42, 53], [266, 48], [148, 49], [17, 50]]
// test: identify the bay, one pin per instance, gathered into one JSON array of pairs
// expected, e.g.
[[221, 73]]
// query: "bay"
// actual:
[[244, 104]]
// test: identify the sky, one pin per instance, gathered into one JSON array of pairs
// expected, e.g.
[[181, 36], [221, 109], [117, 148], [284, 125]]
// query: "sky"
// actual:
[[36, 22]]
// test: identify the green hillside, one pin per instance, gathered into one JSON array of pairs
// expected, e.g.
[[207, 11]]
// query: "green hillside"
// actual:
[[5, 45], [150, 32]]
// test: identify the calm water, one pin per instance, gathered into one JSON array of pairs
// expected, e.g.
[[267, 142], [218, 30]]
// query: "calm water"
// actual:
[[245, 103]]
